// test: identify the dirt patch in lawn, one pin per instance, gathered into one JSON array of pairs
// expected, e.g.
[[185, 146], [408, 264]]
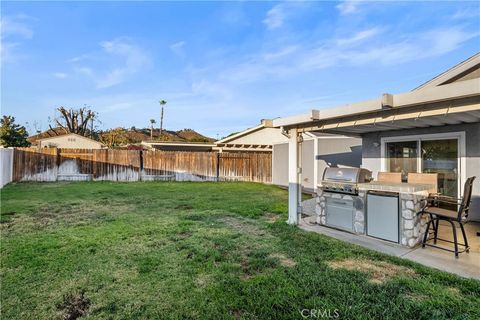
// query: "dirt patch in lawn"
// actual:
[[283, 259], [65, 214], [243, 226], [271, 217], [380, 271], [74, 306]]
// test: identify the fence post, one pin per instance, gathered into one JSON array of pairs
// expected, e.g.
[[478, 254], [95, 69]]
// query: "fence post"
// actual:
[[58, 162], [218, 166], [140, 173]]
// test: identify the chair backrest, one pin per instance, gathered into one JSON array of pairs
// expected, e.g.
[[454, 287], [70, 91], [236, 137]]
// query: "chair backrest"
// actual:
[[395, 177], [467, 197], [424, 178]]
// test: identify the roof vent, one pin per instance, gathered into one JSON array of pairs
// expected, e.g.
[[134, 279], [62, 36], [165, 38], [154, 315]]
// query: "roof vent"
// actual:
[[387, 101]]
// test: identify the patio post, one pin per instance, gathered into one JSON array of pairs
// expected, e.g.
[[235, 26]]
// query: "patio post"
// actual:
[[294, 171]]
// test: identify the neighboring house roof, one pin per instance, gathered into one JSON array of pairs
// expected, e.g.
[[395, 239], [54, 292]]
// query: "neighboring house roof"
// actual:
[[49, 139], [465, 70], [265, 123], [259, 138]]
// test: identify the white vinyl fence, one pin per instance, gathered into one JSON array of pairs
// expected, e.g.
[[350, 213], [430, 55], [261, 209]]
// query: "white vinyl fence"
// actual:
[[6, 163]]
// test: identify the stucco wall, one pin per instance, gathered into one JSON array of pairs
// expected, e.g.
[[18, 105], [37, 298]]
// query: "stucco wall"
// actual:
[[280, 164], [70, 141], [335, 151], [338, 152], [371, 153]]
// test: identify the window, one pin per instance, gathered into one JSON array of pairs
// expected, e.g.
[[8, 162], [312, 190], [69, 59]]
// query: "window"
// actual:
[[402, 157], [435, 153]]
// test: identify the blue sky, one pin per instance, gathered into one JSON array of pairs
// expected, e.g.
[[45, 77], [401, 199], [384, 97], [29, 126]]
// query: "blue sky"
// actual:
[[222, 66]]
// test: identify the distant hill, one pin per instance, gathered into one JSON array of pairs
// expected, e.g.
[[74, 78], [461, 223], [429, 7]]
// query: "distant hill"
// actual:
[[184, 135], [136, 135]]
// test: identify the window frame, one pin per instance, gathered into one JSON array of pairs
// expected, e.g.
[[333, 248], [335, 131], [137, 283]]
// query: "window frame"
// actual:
[[461, 147]]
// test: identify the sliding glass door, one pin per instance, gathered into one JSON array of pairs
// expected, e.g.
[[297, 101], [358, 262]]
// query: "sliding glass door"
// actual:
[[441, 156], [428, 155]]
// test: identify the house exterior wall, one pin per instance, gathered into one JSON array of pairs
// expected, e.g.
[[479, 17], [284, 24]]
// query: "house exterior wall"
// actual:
[[335, 151], [280, 164], [70, 141], [338, 152], [371, 153]]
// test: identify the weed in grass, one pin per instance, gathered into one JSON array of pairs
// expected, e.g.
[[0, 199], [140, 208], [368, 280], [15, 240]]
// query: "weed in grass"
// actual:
[[283, 259], [74, 306]]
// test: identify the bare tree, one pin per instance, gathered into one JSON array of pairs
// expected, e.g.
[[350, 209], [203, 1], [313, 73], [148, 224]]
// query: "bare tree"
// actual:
[[152, 122], [162, 104], [74, 120]]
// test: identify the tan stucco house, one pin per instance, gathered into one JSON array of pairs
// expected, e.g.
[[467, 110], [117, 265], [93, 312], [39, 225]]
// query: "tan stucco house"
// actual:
[[70, 140]]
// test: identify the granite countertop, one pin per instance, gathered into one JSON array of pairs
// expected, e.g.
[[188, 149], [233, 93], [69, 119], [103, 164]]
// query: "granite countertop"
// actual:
[[395, 187]]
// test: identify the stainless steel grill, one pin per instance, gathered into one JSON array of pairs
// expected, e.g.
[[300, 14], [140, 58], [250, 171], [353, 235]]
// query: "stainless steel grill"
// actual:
[[344, 180]]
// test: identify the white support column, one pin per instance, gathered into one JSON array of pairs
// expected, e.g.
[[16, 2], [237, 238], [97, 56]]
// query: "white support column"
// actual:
[[315, 163], [294, 170]]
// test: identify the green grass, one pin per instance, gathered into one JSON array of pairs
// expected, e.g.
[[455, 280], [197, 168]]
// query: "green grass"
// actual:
[[198, 251]]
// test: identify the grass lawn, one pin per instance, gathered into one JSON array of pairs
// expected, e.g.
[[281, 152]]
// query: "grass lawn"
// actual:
[[198, 251]]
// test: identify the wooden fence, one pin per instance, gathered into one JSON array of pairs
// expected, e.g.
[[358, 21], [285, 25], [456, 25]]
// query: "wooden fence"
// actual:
[[52, 164]]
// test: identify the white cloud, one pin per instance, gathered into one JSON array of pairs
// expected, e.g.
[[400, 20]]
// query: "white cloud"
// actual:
[[288, 50], [420, 46], [14, 30], [84, 70], [298, 59], [278, 14], [128, 59], [275, 17], [178, 48], [60, 75], [16, 26], [467, 13], [347, 7], [359, 36], [79, 58]]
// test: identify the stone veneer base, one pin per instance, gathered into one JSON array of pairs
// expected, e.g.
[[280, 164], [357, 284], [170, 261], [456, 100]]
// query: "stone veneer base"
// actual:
[[412, 226]]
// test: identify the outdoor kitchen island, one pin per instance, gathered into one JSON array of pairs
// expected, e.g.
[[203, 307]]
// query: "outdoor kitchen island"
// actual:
[[382, 210]]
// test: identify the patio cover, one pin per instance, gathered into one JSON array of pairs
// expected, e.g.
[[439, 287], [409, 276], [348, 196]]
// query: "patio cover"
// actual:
[[437, 106], [453, 103]]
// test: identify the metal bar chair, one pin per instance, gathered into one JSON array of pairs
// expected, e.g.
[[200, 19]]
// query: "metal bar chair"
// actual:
[[451, 216]]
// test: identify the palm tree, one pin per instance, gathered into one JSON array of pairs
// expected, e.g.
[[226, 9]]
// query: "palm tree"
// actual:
[[162, 104], [152, 122]]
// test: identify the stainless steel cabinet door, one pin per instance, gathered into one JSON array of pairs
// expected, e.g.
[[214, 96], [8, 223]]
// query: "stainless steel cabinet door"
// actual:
[[382, 217], [340, 214]]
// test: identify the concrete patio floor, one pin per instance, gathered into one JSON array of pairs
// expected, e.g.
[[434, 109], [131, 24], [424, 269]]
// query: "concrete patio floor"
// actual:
[[467, 265]]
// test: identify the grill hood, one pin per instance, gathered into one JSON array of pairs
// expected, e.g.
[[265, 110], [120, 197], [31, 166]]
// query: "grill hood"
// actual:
[[347, 175]]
